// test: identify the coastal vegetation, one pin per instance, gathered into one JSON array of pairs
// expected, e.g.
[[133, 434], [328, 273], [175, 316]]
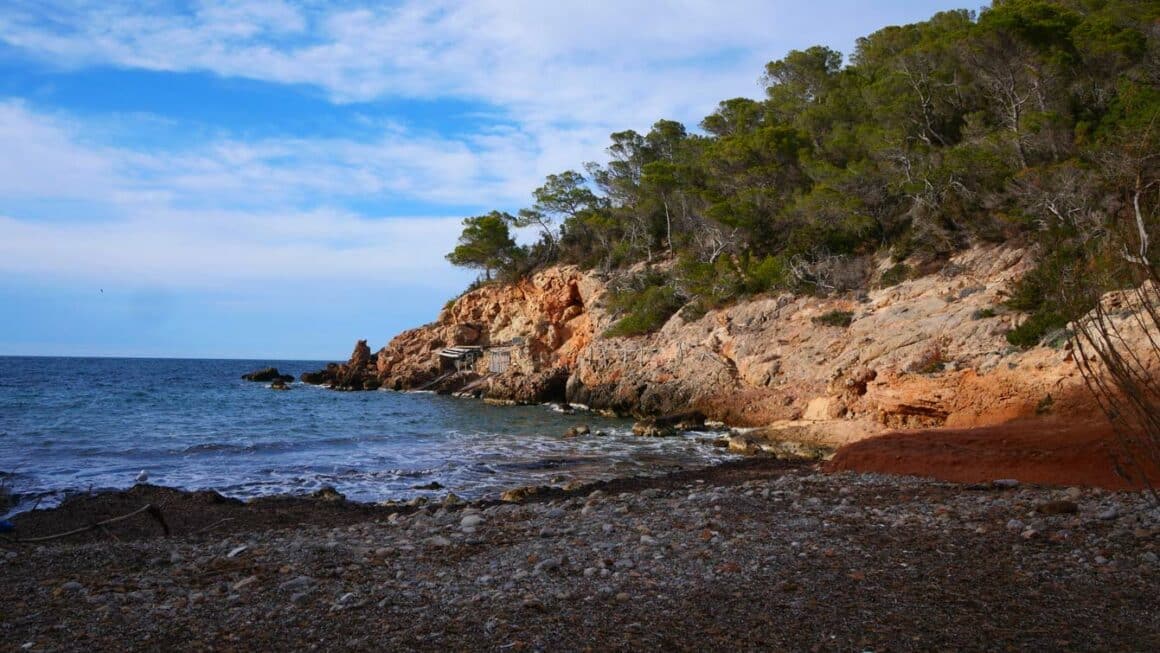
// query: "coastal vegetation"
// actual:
[[1035, 122]]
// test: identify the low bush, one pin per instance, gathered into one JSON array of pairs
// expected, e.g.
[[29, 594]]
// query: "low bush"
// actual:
[[1032, 331], [895, 275], [647, 309], [835, 318]]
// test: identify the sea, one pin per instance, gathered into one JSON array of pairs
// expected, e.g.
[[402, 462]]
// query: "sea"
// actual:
[[72, 425]]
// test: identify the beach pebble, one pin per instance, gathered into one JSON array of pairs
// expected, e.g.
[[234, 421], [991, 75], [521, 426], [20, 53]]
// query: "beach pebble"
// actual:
[[245, 582], [547, 565], [298, 583], [299, 598]]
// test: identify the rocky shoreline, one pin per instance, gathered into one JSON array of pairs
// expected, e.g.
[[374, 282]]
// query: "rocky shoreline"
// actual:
[[928, 352], [759, 554]]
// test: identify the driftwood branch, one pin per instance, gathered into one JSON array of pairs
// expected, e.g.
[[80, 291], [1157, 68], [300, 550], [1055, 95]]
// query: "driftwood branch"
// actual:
[[212, 526], [152, 510]]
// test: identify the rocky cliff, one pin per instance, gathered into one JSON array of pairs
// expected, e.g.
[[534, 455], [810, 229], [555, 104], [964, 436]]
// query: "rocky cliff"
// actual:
[[927, 352]]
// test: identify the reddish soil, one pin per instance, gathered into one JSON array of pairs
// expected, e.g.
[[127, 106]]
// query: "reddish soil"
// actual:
[[1044, 451]]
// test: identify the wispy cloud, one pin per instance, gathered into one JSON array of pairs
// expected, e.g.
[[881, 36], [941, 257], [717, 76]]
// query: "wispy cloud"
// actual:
[[220, 251], [540, 85], [58, 156], [580, 61], [225, 213]]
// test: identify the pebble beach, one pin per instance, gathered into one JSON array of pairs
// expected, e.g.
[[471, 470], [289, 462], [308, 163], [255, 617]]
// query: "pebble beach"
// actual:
[[758, 555]]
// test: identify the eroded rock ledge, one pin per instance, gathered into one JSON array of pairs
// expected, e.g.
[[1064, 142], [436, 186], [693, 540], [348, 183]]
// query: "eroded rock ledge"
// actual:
[[928, 352]]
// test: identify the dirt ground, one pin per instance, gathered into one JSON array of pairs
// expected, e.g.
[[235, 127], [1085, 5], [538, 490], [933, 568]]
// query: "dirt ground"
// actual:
[[1049, 452]]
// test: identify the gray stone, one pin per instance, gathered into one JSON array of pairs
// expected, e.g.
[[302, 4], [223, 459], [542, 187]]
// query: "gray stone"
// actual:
[[298, 584], [548, 565], [298, 598]]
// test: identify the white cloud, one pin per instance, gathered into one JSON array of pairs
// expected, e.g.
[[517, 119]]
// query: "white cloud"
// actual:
[[54, 156], [589, 61], [559, 76], [222, 251], [224, 214], [42, 159]]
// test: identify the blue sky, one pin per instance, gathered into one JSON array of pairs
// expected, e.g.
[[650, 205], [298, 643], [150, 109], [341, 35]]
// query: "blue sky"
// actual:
[[275, 179]]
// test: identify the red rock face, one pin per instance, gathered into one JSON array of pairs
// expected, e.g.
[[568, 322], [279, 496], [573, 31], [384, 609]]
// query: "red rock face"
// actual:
[[541, 324], [916, 355]]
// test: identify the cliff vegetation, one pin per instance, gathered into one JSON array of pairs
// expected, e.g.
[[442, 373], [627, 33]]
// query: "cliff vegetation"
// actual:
[[1033, 122]]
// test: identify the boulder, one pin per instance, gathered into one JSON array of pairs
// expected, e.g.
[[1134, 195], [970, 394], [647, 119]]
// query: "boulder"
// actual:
[[316, 378], [577, 431], [671, 424], [328, 493], [358, 373], [267, 374], [648, 428]]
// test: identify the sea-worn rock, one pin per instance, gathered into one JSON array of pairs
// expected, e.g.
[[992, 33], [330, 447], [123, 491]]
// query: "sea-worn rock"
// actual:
[[577, 431], [267, 374], [328, 493], [358, 373], [518, 494]]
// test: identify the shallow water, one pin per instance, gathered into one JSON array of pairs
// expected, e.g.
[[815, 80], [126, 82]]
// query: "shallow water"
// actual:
[[75, 424]]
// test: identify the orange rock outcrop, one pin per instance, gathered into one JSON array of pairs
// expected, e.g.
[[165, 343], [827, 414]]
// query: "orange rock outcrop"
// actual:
[[928, 352]]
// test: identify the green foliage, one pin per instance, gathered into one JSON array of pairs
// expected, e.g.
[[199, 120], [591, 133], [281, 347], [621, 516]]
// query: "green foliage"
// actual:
[[983, 314], [835, 318], [770, 273], [486, 244], [1035, 122], [648, 307], [895, 275], [1035, 327]]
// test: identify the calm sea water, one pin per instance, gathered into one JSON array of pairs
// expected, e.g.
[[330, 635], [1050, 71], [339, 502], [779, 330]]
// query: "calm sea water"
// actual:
[[79, 424]]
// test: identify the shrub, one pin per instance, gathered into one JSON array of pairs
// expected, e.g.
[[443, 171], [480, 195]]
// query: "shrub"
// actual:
[[983, 313], [895, 275], [1034, 328], [835, 318], [647, 309], [770, 273]]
